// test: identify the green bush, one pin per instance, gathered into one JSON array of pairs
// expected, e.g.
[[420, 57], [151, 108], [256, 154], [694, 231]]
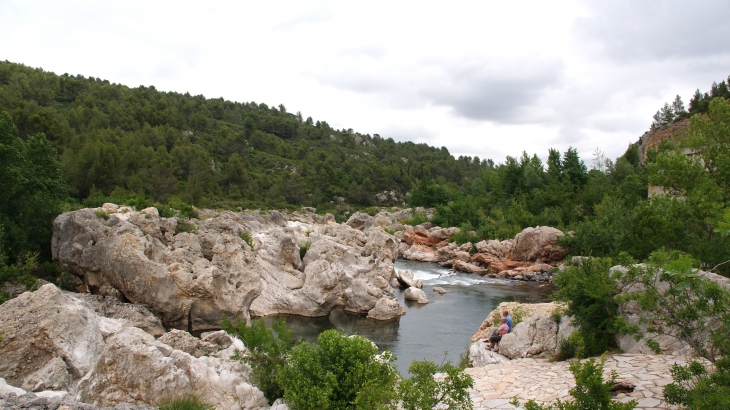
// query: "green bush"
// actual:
[[19, 272], [417, 219], [464, 235], [679, 302], [165, 211], [304, 248], [185, 226], [187, 402], [186, 210], [570, 347], [338, 372], [424, 391], [246, 236], [589, 290], [590, 391], [697, 388], [267, 347]]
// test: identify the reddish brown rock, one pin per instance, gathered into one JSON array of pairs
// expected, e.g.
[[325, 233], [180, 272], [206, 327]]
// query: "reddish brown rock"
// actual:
[[462, 266]]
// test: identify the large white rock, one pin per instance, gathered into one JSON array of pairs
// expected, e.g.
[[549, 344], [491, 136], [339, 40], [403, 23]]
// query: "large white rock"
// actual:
[[135, 368], [56, 340], [191, 279], [536, 336]]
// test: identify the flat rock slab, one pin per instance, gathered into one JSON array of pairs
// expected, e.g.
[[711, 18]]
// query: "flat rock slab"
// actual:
[[496, 384]]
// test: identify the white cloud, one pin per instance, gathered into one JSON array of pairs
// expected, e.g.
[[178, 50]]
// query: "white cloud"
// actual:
[[482, 78]]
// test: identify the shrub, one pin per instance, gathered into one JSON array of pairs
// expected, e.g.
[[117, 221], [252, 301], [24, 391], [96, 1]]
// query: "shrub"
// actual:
[[165, 211], [102, 214], [570, 347], [19, 272], [186, 210], [465, 234], [696, 388], [425, 391], [589, 290], [187, 402], [268, 348], [590, 391], [417, 219], [304, 248], [338, 372], [185, 226], [246, 236]]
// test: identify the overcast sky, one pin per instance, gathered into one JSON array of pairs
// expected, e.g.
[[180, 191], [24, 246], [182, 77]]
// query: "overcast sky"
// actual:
[[484, 78]]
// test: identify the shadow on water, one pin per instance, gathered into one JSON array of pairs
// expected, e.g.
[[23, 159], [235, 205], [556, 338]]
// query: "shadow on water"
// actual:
[[446, 323]]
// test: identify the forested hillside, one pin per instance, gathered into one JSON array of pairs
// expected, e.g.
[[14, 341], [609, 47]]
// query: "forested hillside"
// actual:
[[141, 146], [125, 142]]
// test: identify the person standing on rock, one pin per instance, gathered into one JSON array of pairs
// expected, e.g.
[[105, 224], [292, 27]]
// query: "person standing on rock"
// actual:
[[501, 331]]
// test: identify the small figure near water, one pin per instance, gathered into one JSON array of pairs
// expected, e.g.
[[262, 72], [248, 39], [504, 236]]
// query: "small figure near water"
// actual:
[[502, 330]]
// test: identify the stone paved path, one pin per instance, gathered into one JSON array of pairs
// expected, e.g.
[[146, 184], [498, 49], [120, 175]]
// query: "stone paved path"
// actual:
[[496, 384]]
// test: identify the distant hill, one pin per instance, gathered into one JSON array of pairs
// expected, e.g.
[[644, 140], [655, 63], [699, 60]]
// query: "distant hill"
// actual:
[[117, 142]]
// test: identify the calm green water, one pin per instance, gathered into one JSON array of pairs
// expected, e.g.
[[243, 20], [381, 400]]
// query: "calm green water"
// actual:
[[446, 323]]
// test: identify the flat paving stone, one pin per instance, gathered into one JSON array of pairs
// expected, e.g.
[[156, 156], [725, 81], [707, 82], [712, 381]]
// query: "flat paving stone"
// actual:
[[543, 381]]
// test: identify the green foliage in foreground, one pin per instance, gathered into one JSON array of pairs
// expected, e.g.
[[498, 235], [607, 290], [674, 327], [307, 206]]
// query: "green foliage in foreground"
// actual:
[[188, 402], [343, 372], [697, 388], [339, 372], [425, 390], [589, 290], [591, 392], [267, 349]]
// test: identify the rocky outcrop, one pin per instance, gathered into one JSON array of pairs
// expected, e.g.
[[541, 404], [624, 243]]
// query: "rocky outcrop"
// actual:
[[674, 131], [537, 336], [187, 279], [530, 256], [517, 311], [56, 340], [190, 273], [537, 244]]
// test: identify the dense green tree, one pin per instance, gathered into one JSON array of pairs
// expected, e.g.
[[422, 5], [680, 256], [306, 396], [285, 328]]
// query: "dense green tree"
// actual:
[[32, 187]]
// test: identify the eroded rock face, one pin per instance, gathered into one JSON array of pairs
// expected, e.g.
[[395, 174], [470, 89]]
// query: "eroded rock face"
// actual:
[[188, 280], [535, 337], [191, 273], [56, 340]]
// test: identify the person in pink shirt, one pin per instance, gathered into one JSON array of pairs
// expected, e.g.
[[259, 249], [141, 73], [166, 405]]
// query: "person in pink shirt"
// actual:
[[501, 331]]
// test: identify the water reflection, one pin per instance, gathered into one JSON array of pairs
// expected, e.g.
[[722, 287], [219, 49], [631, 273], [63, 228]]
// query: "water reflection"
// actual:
[[446, 323]]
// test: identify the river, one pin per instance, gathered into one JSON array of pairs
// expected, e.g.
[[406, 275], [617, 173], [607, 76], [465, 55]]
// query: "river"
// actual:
[[446, 323]]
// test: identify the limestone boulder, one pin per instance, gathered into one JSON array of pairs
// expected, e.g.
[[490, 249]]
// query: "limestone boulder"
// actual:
[[495, 248], [56, 340], [136, 368], [479, 356], [386, 309], [360, 221], [417, 295], [421, 253], [38, 327], [187, 279], [461, 266], [537, 336], [425, 235], [184, 341], [136, 315], [406, 279], [439, 290], [540, 243], [343, 267]]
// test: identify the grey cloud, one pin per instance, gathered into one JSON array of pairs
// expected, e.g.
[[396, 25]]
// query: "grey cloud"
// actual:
[[630, 30], [568, 135], [499, 93], [502, 93]]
